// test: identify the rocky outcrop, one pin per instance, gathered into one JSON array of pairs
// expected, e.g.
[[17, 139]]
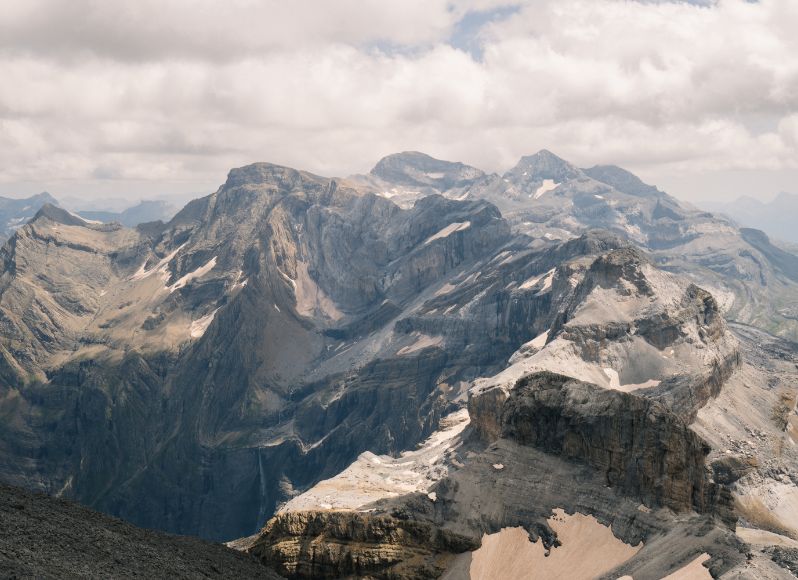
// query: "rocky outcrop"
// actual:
[[637, 444], [344, 544]]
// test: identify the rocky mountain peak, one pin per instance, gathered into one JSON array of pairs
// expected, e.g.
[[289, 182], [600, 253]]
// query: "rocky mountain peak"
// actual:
[[59, 215], [541, 166], [416, 169], [622, 180], [267, 173], [43, 197]]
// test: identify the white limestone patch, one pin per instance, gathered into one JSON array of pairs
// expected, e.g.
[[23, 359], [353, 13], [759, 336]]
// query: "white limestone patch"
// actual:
[[199, 326], [371, 477], [448, 231], [198, 273], [548, 185]]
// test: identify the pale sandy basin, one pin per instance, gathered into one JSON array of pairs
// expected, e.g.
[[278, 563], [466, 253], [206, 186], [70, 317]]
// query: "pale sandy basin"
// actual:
[[588, 549]]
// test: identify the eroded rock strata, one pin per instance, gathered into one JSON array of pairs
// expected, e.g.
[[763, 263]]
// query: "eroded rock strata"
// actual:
[[637, 444]]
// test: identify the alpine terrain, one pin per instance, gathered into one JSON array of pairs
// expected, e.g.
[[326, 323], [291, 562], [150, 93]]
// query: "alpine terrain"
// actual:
[[428, 371]]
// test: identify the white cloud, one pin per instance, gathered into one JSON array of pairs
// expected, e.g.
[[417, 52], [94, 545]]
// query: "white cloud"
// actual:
[[177, 91]]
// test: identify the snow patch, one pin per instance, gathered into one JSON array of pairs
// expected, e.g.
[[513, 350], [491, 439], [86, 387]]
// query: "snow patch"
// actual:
[[83, 219], [199, 326], [547, 282], [198, 273], [548, 185], [161, 266], [371, 477], [445, 289], [422, 341], [239, 283], [448, 231], [535, 280], [615, 381]]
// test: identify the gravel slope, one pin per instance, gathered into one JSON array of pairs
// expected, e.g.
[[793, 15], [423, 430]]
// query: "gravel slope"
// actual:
[[43, 537]]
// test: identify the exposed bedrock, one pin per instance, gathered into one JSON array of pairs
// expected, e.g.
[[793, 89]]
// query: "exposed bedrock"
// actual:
[[640, 447], [342, 544]]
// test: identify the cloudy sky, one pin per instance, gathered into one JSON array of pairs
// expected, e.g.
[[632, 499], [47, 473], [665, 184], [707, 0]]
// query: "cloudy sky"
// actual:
[[144, 98]]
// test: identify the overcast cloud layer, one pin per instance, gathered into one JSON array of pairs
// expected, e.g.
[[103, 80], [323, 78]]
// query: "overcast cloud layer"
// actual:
[[151, 97]]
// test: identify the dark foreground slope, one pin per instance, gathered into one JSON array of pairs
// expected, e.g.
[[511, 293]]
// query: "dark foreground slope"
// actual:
[[44, 537]]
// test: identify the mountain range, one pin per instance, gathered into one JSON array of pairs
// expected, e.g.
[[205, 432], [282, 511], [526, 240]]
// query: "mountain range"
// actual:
[[415, 373], [14, 212], [776, 217], [143, 212]]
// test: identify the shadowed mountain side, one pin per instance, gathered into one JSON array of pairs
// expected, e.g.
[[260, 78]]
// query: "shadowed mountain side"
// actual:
[[50, 538]]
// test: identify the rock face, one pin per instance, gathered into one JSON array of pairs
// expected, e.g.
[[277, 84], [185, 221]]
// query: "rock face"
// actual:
[[550, 442], [621, 449], [344, 544], [195, 373], [637, 444]]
